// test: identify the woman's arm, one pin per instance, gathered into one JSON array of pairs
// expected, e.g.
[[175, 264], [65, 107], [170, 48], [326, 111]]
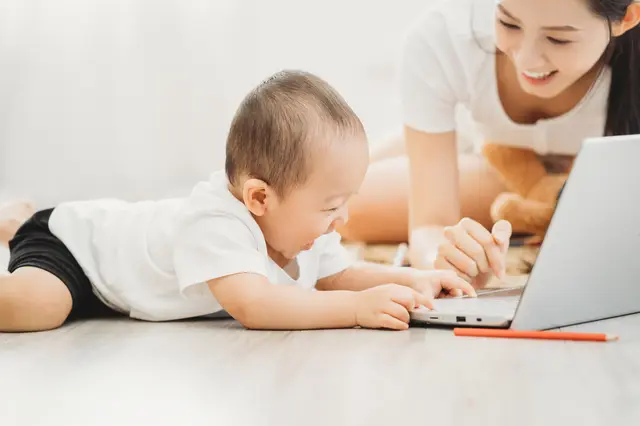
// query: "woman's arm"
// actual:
[[434, 200]]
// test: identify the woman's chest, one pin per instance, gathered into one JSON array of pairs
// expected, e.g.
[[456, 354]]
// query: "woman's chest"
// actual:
[[504, 116], [534, 129]]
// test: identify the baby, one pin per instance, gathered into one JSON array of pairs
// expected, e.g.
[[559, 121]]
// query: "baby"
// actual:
[[256, 241]]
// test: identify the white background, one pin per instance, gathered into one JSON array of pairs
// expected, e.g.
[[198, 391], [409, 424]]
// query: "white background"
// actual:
[[132, 98]]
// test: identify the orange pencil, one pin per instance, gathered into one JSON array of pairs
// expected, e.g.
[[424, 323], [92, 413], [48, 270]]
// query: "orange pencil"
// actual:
[[517, 334]]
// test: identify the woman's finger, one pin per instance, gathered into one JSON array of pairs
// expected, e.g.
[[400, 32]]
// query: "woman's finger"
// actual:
[[485, 239], [459, 260], [501, 232], [471, 248], [443, 264]]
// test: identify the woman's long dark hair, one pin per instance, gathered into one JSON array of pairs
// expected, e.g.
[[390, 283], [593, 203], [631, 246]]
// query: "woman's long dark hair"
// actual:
[[623, 56]]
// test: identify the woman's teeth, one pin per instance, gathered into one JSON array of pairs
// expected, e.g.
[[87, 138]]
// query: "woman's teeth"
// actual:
[[538, 75]]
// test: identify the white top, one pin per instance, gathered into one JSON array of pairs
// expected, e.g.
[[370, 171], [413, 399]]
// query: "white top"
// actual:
[[448, 60], [152, 259]]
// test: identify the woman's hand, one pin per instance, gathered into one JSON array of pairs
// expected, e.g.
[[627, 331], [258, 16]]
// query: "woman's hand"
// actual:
[[473, 252], [424, 243]]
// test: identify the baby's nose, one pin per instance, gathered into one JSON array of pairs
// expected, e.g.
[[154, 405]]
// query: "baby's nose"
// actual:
[[331, 228], [339, 221]]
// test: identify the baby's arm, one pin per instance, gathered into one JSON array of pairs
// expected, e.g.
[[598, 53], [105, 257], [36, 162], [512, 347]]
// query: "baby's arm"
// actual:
[[364, 275], [219, 253], [339, 274], [258, 304]]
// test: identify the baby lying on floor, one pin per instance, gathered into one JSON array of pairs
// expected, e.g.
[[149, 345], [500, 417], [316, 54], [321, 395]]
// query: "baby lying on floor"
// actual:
[[256, 240]]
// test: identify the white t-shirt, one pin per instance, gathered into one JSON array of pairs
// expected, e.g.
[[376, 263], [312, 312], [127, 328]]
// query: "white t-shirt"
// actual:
[[152, 259], [448, 60]]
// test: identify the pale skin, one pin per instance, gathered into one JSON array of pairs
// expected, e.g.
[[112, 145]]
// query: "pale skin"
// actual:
[[12, 216], [365, 295], [419, 192]]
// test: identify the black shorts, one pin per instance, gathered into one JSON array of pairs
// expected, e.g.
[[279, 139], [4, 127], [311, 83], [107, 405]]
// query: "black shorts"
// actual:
[[35, 246]]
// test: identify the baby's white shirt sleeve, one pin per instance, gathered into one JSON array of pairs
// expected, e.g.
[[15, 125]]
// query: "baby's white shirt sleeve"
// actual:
[[215, 246], [428, 74], [334, 257]]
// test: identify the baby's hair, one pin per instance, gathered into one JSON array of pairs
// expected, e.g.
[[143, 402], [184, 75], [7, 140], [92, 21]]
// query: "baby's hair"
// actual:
[[281, 124]]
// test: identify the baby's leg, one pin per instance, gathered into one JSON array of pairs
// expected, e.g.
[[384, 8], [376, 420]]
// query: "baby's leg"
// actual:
[[12, 216], [32, 299]]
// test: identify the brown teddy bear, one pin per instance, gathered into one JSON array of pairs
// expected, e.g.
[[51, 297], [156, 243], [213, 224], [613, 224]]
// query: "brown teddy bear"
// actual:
[[533, 190]]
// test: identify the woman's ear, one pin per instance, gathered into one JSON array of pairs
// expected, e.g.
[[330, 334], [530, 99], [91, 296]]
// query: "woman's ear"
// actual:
[[257, 196], [631, 20]]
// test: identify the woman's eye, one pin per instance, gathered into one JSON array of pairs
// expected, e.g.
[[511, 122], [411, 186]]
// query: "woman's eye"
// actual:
[[508, 25], [557, 41]]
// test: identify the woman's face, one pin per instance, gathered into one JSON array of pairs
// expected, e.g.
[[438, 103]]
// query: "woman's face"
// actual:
[[551, 43]]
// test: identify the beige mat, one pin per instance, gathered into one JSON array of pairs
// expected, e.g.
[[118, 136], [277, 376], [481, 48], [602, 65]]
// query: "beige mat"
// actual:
[[519, 260]]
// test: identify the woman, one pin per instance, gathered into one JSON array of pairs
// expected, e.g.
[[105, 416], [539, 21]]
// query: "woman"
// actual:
[[543, 75]]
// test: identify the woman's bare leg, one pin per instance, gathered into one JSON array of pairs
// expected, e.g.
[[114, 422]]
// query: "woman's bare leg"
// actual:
[[32, 299], [379, 213], [12, 216]]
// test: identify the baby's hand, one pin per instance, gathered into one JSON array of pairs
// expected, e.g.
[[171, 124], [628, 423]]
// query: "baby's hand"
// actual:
[[473, 252], [441, 283], [388, 306]]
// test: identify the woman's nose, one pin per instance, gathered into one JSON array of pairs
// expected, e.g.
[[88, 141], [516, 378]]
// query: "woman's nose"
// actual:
[[528, 56]]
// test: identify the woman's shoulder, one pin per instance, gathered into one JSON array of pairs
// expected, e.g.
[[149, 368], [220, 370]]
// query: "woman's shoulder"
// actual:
[[453, 32], [446, 58]]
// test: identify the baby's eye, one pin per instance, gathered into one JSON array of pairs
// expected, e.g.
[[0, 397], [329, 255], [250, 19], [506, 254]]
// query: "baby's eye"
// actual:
[[335, 209]]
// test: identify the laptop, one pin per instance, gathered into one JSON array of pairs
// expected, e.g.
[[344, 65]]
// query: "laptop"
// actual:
[[588, 266]]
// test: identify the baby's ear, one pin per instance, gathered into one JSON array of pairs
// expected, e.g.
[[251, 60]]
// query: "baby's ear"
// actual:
[[257, 196]]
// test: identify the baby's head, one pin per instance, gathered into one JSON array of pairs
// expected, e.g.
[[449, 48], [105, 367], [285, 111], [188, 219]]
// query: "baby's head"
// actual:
[[296, 152]]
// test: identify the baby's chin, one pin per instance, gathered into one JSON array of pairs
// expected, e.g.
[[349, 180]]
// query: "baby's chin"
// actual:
[[293, 253]]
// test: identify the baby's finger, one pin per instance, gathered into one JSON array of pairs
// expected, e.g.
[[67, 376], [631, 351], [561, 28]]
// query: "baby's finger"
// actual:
[[491, 248], [443, 264], [459, 260], [409, 298], [387, 321], [424, 299], [397, 311], [405, 297], [456, 292], [471, 248], [452, 282]]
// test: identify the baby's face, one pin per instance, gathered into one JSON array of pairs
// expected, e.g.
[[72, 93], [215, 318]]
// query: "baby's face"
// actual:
[[320, 206]]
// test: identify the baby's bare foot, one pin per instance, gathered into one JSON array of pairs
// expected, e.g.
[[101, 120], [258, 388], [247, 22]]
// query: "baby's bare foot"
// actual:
[[12, 216]]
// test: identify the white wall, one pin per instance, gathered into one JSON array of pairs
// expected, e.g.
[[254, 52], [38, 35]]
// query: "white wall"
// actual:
[[132, 98]]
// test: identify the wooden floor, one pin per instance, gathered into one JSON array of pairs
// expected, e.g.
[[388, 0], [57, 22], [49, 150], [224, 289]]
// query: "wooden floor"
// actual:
[[123, 372], [120, 372]]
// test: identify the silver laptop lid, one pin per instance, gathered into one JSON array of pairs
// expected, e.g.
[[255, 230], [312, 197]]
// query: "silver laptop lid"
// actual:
[[589, 264]]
